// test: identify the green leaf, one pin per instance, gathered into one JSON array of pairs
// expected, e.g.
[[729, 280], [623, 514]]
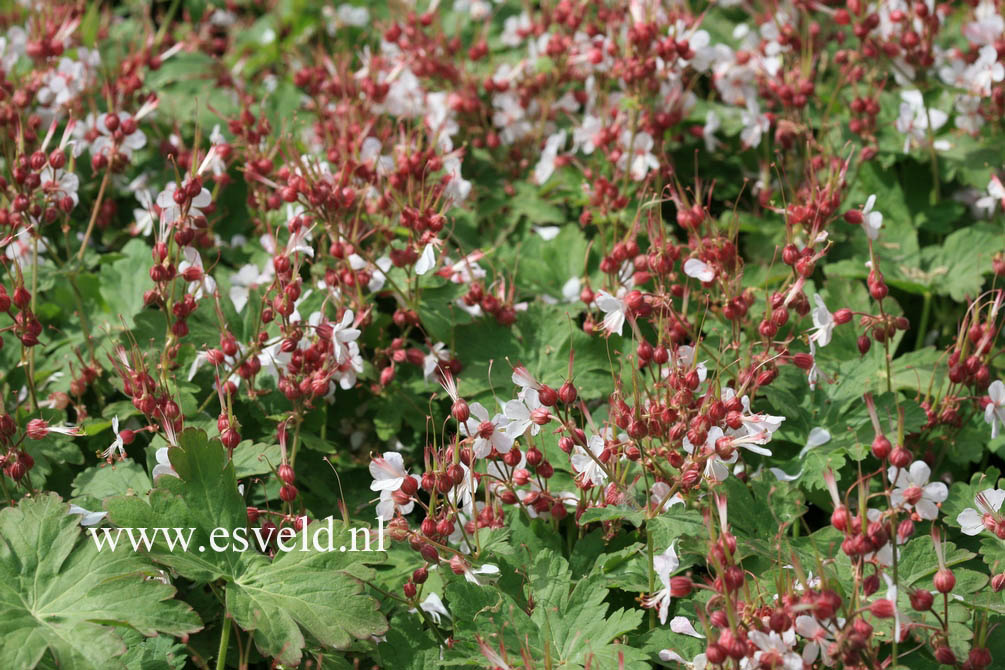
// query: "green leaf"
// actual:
[[123, 282], [570, 621], [102, 481], [59, 593], [304, 591]]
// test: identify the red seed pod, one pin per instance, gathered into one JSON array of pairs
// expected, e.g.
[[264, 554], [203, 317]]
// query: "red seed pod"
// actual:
[[428, 527], [944, 580], [288, 492], [998, 582], [547, 395], [409, 486], [567, 393], [870, 584], [420, 576], [429, 553], [864, 344], [230, 438], [882, 608], [456, 474], [805, 266], [445, 527], [878, 289], [921, 600], [16, 470], [715, 654], [534, 457], [842, 316], [286, 473], [979, 657], [734, 577], [802, 361], [252, 516], [269, 531], [681, 587], [460, 410], [900, 457], [790, 254], [22, 298], [839, 518], [854, 217], [545, 470], [409, 590], [905, 529], [881, 447], [945, 656], [779, 621]]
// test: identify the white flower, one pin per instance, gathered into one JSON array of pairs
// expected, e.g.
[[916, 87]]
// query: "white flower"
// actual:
[[996, 194], [519, 414], [427, 260], [118, 446], [107, 143], [994, 413], [588, 468], [388, 472], [813, 373], [487, 434], [471, 574], [712, 124], [614, 310], [777, 648], [205, 285], [683, 626], [60, 183], [911, 488], [639, 151], [823, 323], [698, 269], [663, 565], [659, 492], [873, 220], [818, 437], [587, 135], [144, 224], [546, 164], [163, 466], [755, 124], [247, 278], [434, 607], [170, 211], [915, 119], [438, 354], [87, 518], [369, 152], [819, 639], [457, 188], [342, 334], [988, 503], [716, 468], [514, 28]]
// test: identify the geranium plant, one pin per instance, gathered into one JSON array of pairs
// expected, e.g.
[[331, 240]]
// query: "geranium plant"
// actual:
[[520, 335]]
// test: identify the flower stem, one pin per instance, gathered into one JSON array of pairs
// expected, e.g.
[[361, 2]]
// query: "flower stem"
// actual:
[[94, 215], [221, 654]]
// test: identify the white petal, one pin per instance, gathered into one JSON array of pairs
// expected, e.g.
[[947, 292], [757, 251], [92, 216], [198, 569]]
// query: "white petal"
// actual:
[[683, 625], [971, 522], [697, 269], [426, 261]]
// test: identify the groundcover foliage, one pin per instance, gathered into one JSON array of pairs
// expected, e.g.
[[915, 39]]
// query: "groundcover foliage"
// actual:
[[479, 333]]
